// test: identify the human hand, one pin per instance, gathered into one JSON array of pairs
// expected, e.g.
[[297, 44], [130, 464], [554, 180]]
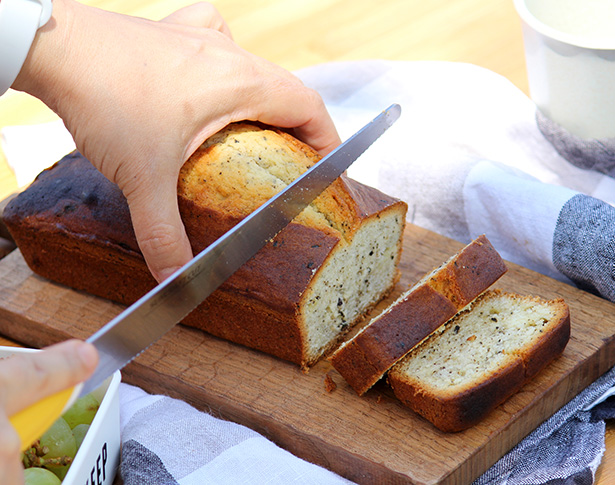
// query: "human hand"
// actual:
[[28, 378], [140, 96]]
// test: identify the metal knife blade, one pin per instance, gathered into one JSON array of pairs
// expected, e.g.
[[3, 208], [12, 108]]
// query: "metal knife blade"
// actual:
[[144, 322]]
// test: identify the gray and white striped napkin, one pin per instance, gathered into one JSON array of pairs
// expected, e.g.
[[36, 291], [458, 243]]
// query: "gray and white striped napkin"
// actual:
[[167, 442]]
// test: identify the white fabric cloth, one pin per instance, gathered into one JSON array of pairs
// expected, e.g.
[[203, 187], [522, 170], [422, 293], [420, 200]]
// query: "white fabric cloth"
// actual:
[[165, 441], [468, 157], [453, 116], [31, 149]]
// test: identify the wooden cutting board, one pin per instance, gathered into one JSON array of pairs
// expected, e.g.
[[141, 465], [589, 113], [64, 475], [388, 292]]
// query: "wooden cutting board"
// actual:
[[370, 439]]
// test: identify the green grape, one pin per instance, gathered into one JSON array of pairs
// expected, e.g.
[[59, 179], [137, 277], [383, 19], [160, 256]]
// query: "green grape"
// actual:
[[60, 443], [82, 411], [59, 471], [99, 393], [56, 449], [79, 433], [40, 476], [59, 440]]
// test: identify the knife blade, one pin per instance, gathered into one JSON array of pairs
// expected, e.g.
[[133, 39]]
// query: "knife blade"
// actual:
[[144, 322]]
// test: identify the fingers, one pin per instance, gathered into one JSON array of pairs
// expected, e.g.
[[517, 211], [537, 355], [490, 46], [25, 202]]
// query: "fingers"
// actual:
[[200, 14], [282, 100], [27, 378], [11, 468], [158, 227], [287, 103], [319, 131]]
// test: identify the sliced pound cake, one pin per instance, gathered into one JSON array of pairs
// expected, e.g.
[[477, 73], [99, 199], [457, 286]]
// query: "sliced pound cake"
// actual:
[[365, 358], [479, 358], [295, 299]]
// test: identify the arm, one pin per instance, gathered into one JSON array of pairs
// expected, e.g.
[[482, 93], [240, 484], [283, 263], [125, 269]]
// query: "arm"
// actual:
[[140, 96]]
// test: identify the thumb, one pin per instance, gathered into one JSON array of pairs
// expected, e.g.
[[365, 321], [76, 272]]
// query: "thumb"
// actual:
[[159, 229], [27, 378], [202, 14]]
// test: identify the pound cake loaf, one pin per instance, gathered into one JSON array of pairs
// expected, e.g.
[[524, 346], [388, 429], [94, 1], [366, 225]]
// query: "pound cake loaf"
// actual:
[[365, 358], [295, 299], [481, 357]]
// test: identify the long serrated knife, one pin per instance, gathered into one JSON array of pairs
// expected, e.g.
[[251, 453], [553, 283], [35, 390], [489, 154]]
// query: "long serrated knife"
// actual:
[[144, 322]]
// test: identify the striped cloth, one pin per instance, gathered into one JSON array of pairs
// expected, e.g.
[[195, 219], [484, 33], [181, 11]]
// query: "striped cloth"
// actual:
[[166, 442]]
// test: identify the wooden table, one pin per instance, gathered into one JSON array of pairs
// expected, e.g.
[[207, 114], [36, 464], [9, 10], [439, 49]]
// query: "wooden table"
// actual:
[[296, 34]]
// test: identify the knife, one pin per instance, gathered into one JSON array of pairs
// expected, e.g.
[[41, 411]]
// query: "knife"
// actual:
[[144, 322]]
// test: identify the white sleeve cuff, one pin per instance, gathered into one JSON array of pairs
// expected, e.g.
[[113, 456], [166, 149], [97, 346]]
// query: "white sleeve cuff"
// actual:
[[19, 21]]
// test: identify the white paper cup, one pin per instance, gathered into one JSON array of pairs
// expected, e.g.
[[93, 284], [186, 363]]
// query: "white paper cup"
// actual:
[[570, 56]]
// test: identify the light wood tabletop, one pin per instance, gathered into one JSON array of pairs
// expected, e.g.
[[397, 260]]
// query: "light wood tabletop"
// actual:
[[300, 33]]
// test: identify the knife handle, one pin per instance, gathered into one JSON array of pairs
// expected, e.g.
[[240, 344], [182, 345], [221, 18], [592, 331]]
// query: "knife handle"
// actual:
[[34, 420]]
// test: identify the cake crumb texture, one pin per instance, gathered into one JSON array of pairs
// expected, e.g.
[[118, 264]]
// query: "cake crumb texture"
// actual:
[[481, 357]]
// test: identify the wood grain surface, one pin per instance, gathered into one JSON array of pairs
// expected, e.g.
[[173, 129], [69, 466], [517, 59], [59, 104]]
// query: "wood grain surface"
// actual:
[[366, 439], [296, 34]]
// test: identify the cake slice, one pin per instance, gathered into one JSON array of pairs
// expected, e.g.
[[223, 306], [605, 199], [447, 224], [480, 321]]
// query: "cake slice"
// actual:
[[365, 358], [479, 358]]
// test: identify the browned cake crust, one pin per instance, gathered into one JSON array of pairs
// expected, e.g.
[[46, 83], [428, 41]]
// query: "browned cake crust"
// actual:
[[364, 359], [73, 227], [463, 404]]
